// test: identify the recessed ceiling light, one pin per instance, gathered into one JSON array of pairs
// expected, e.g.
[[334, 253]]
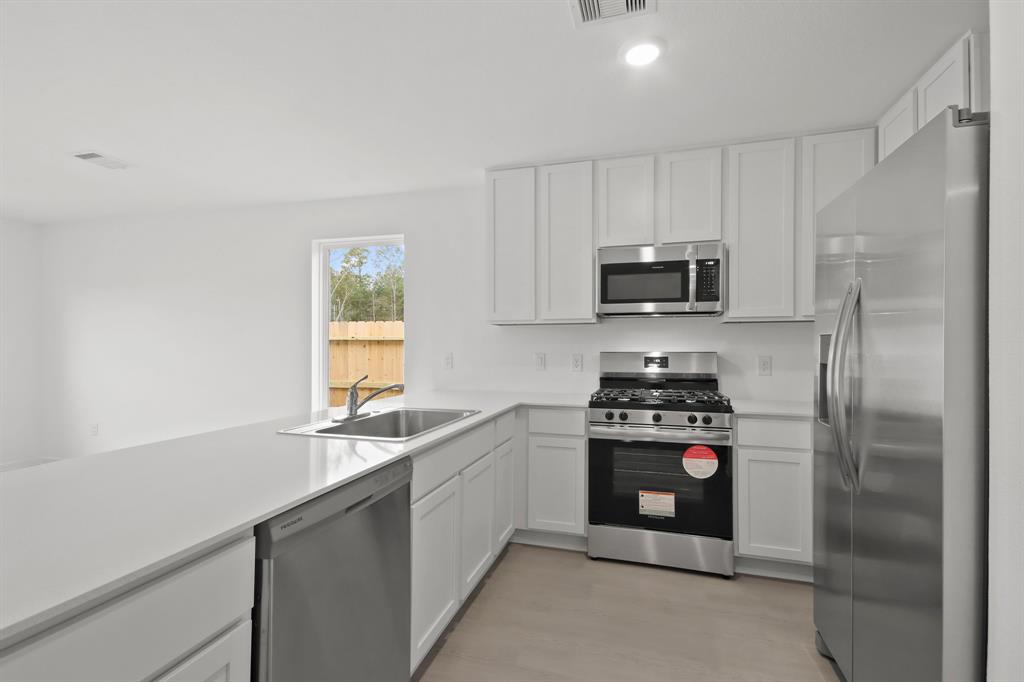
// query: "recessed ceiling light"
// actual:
[[642, 53]]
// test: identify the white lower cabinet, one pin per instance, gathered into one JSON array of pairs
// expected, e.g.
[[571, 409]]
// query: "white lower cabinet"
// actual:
[[227, 659], [435, 565], [504, 494], [555, 486], [477, 541], [774, 498]]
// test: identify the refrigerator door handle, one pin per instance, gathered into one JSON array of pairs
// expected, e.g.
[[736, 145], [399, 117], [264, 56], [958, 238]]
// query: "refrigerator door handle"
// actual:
[[831, 380], [837, 369]]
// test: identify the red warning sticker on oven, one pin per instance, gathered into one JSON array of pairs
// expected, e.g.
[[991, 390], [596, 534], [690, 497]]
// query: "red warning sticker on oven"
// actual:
[[700, 461]]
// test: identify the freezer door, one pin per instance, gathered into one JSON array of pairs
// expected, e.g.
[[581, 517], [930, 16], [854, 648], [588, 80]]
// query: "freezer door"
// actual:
[[897, 377], [833, 596]]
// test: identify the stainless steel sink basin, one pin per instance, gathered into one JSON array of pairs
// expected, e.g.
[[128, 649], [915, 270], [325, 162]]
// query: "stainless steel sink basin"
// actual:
[[397, 425]]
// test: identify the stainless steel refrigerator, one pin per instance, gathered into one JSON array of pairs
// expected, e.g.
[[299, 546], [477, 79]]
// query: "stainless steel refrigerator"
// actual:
[[900, 411]]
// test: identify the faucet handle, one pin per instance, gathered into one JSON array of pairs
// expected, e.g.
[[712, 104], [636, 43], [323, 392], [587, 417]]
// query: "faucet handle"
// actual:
[[359, 381]]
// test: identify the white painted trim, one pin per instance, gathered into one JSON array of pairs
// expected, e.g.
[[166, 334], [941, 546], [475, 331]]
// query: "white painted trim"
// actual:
[[783, 570], [574, 543], [320, 308]]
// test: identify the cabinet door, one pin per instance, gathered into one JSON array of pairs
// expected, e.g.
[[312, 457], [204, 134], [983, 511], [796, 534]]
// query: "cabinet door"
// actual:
[[565, 249], [946, 83], [504, 488], [477, 540], [511, 224], [760, 229], [690, 196], [625, 201], [555, 472], [774, 504], [227, 659], [435, 566], [898, 124], [830, 165]]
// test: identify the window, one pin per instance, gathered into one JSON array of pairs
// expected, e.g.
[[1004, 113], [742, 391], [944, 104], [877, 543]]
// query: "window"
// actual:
[[358, 317]]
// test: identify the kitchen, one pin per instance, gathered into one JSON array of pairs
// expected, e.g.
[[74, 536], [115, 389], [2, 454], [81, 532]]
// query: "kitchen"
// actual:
[[505, 209]]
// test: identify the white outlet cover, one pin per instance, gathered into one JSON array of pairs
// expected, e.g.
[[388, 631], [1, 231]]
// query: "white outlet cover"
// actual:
[[764, 365], [576, 364], [449, 360]]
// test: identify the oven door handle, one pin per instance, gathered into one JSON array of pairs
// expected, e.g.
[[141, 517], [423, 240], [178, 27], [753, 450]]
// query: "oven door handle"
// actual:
[[660, 435]]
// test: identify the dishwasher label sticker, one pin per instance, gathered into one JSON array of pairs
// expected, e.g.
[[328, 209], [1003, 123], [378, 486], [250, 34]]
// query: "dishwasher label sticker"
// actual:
[[700, 461], [653, 503]]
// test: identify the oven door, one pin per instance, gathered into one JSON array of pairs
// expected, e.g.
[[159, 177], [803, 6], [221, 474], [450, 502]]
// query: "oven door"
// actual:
[[680, 487], [644, 280]]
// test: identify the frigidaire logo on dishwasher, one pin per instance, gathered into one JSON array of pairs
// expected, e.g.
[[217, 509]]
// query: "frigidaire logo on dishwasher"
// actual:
[[297, 519]]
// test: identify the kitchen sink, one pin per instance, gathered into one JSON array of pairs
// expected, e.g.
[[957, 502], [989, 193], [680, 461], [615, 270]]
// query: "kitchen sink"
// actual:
[[397, 425]]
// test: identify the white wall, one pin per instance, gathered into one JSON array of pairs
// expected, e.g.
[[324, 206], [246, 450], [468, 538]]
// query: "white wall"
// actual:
[[177, 324], [1006, 349], [20, 317]]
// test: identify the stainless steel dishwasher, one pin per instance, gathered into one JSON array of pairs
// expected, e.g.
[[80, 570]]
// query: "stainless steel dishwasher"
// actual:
[[333, 585]]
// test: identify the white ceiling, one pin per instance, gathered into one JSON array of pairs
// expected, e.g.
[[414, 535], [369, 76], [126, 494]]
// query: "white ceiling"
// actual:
[[228, 103]]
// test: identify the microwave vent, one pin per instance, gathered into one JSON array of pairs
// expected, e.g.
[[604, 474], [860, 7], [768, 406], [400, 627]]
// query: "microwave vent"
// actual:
[[587, 12]]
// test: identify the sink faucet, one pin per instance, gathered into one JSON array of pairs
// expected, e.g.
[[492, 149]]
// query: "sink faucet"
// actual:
[[353, 403]]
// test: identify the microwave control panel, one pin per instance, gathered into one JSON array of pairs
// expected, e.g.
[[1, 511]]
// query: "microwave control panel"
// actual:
[[709, 278]]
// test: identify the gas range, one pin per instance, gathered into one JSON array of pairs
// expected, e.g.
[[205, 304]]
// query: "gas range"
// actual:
[[660, 462]]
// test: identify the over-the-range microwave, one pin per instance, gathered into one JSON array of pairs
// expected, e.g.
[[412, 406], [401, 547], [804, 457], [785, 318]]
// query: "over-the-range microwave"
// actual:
[[678, 279]]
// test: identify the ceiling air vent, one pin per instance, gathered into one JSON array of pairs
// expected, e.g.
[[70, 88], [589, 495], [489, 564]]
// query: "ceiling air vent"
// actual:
[[98, 159], [586, 12]]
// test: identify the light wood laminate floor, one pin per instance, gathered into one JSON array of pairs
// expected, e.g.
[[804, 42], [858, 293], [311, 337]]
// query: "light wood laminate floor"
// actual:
[[548, 614]]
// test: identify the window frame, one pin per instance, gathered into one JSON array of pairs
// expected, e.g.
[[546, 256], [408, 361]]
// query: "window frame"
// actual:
[[321, 308]]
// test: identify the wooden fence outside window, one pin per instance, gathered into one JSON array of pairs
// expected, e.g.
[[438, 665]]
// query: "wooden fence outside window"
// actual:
[[358, 348]]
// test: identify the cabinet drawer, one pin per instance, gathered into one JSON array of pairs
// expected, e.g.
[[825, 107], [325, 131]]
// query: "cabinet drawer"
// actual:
[[774, 433], [558, 422], [433, 468], [227, 659], [504, 427], [147, 629]]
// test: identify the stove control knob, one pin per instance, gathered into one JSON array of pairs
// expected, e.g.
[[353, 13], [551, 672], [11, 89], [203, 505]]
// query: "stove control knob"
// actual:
[[692, 419], [707, 420], [609, 415], [623, 416], [656, 417]]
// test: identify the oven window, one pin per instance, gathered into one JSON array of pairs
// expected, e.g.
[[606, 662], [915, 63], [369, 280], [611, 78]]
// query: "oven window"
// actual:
[[660, 282], [647, 485]]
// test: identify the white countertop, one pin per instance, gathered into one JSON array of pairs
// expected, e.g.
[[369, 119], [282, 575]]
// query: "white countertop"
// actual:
[[774, 408], [75, 531]]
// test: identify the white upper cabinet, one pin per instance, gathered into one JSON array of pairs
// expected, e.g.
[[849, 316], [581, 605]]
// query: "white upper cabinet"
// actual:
[[689, 191], [565, 241], [830, 164], [625, 201], [898, 124], [759, 229], [511, 218], [946, 83]]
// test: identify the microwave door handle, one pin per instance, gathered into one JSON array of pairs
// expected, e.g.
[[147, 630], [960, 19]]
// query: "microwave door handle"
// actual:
[[691, 259]]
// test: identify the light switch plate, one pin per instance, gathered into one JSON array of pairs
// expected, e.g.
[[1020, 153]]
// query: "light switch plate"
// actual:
[[540, 361], [449, 360]]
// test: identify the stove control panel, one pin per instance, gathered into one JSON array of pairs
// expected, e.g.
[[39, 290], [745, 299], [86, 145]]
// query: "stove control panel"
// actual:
[[721, 420]]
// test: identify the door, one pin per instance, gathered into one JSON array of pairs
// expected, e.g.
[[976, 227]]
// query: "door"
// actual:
[[898, 124], [511, 226], [227, 659], [555, 489], [836, 227], [774, 504], [690, 196], [831, 163], [946, 83], [504, 486], [896, 397], [565, 241], [672, 487], [477, 541], [435, 566], [760, 229], [625, 201]]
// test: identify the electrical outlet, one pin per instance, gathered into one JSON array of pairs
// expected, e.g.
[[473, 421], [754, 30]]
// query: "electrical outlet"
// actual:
[[94, 429], [540, 361], [449, 360], [577, 362], [764, 365]]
